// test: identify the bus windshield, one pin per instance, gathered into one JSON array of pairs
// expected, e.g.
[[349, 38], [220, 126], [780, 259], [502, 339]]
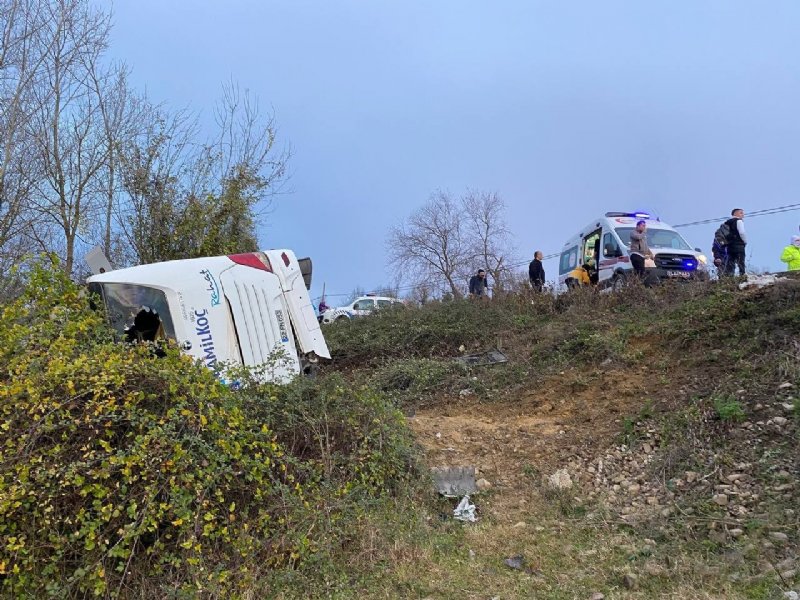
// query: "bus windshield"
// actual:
[[137, 312], [656, 238]]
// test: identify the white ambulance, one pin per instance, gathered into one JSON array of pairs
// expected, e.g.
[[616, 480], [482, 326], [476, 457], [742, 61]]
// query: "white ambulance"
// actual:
[[605, 242], [243, 309]]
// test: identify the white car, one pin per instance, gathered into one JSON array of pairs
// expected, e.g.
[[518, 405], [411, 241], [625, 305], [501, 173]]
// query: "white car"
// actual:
[[361, 306]]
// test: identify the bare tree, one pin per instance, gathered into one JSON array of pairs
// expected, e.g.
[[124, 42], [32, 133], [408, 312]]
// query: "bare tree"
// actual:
[[185, 199], [243, 153], [421, 294], [153, 161], [120, 111], [67, 126], [84, 159], [489, 239], [445, 240], [248, 141], [23, 54], [430, 247], [356, 292]]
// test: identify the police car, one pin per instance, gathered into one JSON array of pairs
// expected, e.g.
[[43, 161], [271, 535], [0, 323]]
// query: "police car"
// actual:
[[360, 307]]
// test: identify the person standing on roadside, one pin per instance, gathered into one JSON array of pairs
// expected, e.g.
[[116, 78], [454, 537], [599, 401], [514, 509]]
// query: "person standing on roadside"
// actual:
[[478, 286], [737, 242], [791, 254], [536, 271], [720, 253], [639, 249]]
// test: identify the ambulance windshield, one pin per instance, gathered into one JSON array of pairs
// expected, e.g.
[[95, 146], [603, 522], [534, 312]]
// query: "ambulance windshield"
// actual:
[[656, 238]]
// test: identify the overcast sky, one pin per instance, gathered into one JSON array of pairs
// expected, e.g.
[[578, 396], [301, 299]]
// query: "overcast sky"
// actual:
[[565, 109]]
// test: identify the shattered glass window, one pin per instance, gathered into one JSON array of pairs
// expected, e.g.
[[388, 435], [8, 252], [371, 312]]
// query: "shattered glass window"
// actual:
[[136, 309]]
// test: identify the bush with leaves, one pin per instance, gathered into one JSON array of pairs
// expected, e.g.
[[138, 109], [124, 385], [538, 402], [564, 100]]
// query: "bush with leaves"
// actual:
[[431, 331], [122, 472]]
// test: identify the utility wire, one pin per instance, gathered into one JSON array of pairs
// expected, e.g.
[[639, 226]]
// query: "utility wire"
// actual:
[[757, 213]]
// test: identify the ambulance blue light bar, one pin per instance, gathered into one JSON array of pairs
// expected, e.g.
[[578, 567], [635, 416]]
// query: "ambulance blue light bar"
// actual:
[[633, 215]]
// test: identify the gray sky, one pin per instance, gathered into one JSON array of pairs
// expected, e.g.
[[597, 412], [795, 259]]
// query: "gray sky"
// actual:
[[566, 109]]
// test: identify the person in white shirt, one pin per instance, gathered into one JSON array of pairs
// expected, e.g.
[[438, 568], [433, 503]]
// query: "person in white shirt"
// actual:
[[737, 242]]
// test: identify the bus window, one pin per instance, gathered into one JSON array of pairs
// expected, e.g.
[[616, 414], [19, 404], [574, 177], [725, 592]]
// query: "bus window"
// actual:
[[136, 310]]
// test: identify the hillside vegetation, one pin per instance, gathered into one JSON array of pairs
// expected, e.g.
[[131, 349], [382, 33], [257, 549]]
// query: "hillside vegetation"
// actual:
[[670, 416], [129, 471], [673, 413]]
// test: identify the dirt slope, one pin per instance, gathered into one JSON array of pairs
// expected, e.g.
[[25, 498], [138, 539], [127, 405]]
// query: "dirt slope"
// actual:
[[539, 431], [584, 419]]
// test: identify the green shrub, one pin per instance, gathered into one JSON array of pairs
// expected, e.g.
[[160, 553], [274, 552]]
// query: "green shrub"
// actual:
[[414, 376], [122, 472], [728, 408], [434, 330], [350, 439]]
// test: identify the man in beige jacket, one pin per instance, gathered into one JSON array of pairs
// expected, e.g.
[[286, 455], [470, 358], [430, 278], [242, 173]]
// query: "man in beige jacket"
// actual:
[[639, 249]]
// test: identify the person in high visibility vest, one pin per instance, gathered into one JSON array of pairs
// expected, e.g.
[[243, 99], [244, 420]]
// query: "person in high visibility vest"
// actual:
[[580, 275], [791, 254]]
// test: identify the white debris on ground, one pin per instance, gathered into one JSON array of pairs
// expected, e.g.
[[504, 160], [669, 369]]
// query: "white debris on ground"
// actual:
[[760, 281], [465, 511], [560, 480]]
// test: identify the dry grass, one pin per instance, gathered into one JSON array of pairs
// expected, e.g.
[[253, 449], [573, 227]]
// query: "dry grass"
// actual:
[[564, 559]]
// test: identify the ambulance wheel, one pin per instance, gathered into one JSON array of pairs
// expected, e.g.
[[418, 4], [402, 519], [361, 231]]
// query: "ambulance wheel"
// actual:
[[342, 318], [618, 283]]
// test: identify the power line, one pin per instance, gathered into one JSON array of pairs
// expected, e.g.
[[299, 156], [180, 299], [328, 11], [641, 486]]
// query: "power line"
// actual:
[[757, 213]]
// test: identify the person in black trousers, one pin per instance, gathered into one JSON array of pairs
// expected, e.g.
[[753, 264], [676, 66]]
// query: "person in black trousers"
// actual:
[[536, 271], [639, 250], [737, 242]]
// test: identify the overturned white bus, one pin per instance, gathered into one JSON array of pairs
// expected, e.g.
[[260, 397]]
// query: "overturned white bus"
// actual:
[[242, 309]]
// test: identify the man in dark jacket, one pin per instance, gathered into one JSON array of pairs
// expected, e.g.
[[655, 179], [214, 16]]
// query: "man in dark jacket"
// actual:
[[536, 271], [737, 241], [478, 285]]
